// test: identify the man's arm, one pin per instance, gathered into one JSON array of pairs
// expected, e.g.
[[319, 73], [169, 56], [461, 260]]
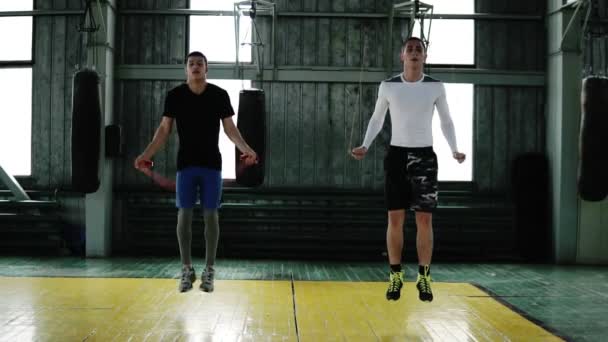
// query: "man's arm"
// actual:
[[235, 136], [158, 141], [377, 120], [447, 125], [374, 126]]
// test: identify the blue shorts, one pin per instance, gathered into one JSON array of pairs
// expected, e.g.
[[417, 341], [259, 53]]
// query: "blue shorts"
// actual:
[[194, 183]]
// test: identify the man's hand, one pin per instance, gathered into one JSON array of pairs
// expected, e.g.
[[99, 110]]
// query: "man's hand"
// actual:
[[459, 156], [142, 162], [358, 152], [249, 157]]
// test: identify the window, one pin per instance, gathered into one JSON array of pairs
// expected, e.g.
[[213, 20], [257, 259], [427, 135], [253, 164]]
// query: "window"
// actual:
[[460, 101], [214, 35], [16, 81], [452, 41], [209, 5]]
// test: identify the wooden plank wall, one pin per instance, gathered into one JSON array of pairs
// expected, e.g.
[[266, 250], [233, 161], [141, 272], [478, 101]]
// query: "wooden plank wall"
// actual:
[[596, 54], [309, 123], [146, 39], [508, 120], [56, 56], [309, 134], [58, 51]]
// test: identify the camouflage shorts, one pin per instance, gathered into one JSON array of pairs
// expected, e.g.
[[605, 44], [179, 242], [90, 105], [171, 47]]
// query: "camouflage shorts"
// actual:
[[410, 178]]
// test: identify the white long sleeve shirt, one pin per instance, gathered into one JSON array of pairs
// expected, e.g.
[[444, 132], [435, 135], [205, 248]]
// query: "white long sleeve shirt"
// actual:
[[411, 107]]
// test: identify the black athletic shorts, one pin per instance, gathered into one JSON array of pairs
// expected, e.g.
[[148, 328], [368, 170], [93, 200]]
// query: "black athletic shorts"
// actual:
[[410, 178]]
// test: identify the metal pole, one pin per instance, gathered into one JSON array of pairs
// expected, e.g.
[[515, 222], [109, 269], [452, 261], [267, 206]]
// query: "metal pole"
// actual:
[[13, 185]]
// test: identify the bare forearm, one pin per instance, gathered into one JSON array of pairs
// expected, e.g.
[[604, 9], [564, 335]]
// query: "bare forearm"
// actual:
[[235, 136], [159, 140]]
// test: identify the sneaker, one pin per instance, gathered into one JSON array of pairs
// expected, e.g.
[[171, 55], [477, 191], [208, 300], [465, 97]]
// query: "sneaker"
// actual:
[[207, 279], [188, 277], [423, 284], [394, 286]]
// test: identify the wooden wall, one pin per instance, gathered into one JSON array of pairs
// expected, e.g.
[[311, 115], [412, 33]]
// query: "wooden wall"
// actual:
[[309, 133], [508, 120], [56, 56], [309, 124], [596, 53], [146, 39]]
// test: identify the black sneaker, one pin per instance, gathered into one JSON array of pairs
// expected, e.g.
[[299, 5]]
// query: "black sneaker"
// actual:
[[394, 285], [207, 279], [188, 277], [423, 284]]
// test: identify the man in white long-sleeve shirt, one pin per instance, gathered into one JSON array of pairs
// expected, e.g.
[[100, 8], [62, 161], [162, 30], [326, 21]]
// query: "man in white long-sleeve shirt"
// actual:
[[410, 165]]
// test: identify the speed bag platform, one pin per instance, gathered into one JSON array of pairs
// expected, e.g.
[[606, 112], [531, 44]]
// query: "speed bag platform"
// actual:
[[251, 122], [593, 146], [86, 131]]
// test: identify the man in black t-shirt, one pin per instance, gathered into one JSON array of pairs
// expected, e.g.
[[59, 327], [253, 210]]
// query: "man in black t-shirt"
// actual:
[[197, 107]]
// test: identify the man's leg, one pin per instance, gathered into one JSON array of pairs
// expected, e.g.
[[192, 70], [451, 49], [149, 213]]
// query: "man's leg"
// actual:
[[184, 239], [396, 196], [424, 237], [394, 244], [210, 200], [185, 198], [394, 235], [184, 235], [424, 245], [423, 168], [212, 233]]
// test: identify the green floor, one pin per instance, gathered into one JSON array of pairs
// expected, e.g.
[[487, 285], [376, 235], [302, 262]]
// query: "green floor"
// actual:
[[571, 301]]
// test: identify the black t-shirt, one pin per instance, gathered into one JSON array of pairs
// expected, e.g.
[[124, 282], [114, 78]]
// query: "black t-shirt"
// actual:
[[198, 124]]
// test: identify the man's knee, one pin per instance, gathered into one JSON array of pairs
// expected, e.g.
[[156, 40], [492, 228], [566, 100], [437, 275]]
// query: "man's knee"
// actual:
[[424, 219], [396, 219]]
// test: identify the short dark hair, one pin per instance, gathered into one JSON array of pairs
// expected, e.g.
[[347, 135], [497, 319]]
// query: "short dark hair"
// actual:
[[196, 54], [416, 39]]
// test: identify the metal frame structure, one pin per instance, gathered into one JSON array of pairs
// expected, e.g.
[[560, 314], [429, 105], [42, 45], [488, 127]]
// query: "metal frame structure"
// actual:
[[252, 8], [13, 186], [413, 10], [302, 73]]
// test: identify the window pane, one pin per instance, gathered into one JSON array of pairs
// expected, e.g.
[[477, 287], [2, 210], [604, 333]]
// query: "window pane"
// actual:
[[233, 87], [460, 101], [451, 41], [16, 137], [214, 37], [16, 5], [16, 38], [212, 5]]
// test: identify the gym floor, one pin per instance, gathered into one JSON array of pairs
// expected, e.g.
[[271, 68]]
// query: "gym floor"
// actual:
[[136, 299]]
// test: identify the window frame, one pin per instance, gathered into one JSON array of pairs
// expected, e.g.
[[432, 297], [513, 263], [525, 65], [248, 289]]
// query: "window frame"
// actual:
[[215, 13], [472, 65], [24, 64]]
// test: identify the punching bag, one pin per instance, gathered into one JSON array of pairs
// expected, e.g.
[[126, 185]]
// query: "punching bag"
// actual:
[[593, 144], [251, 122], [86, 131]]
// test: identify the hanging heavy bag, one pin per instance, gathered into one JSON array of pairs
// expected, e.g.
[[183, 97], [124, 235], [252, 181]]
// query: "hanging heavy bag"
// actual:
[[86, 131], [593, 145], [251, 123]]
